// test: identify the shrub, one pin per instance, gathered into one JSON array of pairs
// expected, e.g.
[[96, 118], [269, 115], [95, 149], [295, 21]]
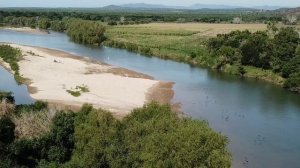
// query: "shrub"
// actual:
[[75, 93], [7, 96], [7, 128], [293, 82], [156, 137]]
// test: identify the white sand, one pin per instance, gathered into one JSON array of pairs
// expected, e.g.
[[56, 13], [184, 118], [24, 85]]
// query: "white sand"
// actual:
[[26, 30], [113, 92]]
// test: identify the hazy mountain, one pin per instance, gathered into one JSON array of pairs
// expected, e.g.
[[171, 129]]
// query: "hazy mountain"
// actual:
[[194, 7], [266, 7], [149, 6], [212, 6]]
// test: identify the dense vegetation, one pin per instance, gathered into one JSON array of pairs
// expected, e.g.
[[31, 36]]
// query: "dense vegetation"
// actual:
[[152, 136], [80, 31], [276, 50], [85, 32], [12, 56], [175, 44], [186, 45], [131, 16]]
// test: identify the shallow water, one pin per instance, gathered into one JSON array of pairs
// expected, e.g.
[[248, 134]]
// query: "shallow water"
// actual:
[[261, 120]]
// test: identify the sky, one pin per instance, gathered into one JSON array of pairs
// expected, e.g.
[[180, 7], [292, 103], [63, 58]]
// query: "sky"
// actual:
[[100, 3]]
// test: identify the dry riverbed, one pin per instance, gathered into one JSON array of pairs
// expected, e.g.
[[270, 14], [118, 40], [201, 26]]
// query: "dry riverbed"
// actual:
[[64, 79]]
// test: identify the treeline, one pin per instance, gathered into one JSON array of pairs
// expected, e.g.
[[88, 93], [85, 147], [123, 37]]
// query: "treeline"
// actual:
[[276, 50], [80, 31], [152, 136], [85, 32], [137, 17], [130, 47]]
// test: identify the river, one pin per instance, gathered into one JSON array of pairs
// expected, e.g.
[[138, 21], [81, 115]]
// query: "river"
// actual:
[[260, 119]]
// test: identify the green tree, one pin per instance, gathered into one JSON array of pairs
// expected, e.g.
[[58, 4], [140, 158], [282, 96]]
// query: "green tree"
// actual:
[[293, 82], [285, 44], [254, 50], [156, 137], [57, 25], [44, 23], [291, 67]]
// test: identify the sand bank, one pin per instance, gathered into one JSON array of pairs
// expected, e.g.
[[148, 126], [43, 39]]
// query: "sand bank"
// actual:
[[52, 73], [26, 30]]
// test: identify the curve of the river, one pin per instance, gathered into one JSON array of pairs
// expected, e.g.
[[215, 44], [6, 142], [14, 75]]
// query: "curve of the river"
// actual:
[[261, 120]]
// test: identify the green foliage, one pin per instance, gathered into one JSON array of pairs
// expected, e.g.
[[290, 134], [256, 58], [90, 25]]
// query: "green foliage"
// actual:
[[227, 55], [279, 53], [44, 23], [37, 106], [83, 88], [7, 128], [152, 136], [179, 45], [7, 96], [293, 82], [97, 141], [58, 25], [254, 50], [112, 23], [86, 32], [12, 56], [78, 90], [285, 43], [20, 21], [55, 147], [156, 137], [241, 70], [138, 16], [75, 93], [292, 66]]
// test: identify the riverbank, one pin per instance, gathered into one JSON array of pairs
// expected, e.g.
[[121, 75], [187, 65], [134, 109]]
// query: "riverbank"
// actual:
[[64, 79], [26, 30], [184, 42]]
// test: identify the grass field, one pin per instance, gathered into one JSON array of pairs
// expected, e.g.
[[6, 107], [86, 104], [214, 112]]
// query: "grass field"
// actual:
[[202, 29], [183, 42]]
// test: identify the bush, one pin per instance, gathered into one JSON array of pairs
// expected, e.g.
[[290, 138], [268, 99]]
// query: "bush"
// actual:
[[37, 107], [241, 70], [7, 96], [86, 32], [12, 56], [152, 136], [291, 67], [156, 137], [7, 128], [293, 82]]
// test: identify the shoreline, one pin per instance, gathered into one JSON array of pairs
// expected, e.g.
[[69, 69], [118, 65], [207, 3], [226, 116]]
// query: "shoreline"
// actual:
[[52, 73], [26, 30], [258, 74]]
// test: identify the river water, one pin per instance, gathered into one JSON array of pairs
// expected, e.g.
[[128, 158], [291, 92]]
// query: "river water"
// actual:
[[261, 120]]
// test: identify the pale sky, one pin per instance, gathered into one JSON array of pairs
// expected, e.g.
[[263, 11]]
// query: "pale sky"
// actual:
[[100, 3]]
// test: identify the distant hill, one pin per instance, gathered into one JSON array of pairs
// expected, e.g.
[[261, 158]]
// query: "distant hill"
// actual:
[[289, 11], [150, 6], [194, 7], [294, 11], [212, 6]]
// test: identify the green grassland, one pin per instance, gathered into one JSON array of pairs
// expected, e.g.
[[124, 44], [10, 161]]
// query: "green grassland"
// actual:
[[183, 42], [179, 45]]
